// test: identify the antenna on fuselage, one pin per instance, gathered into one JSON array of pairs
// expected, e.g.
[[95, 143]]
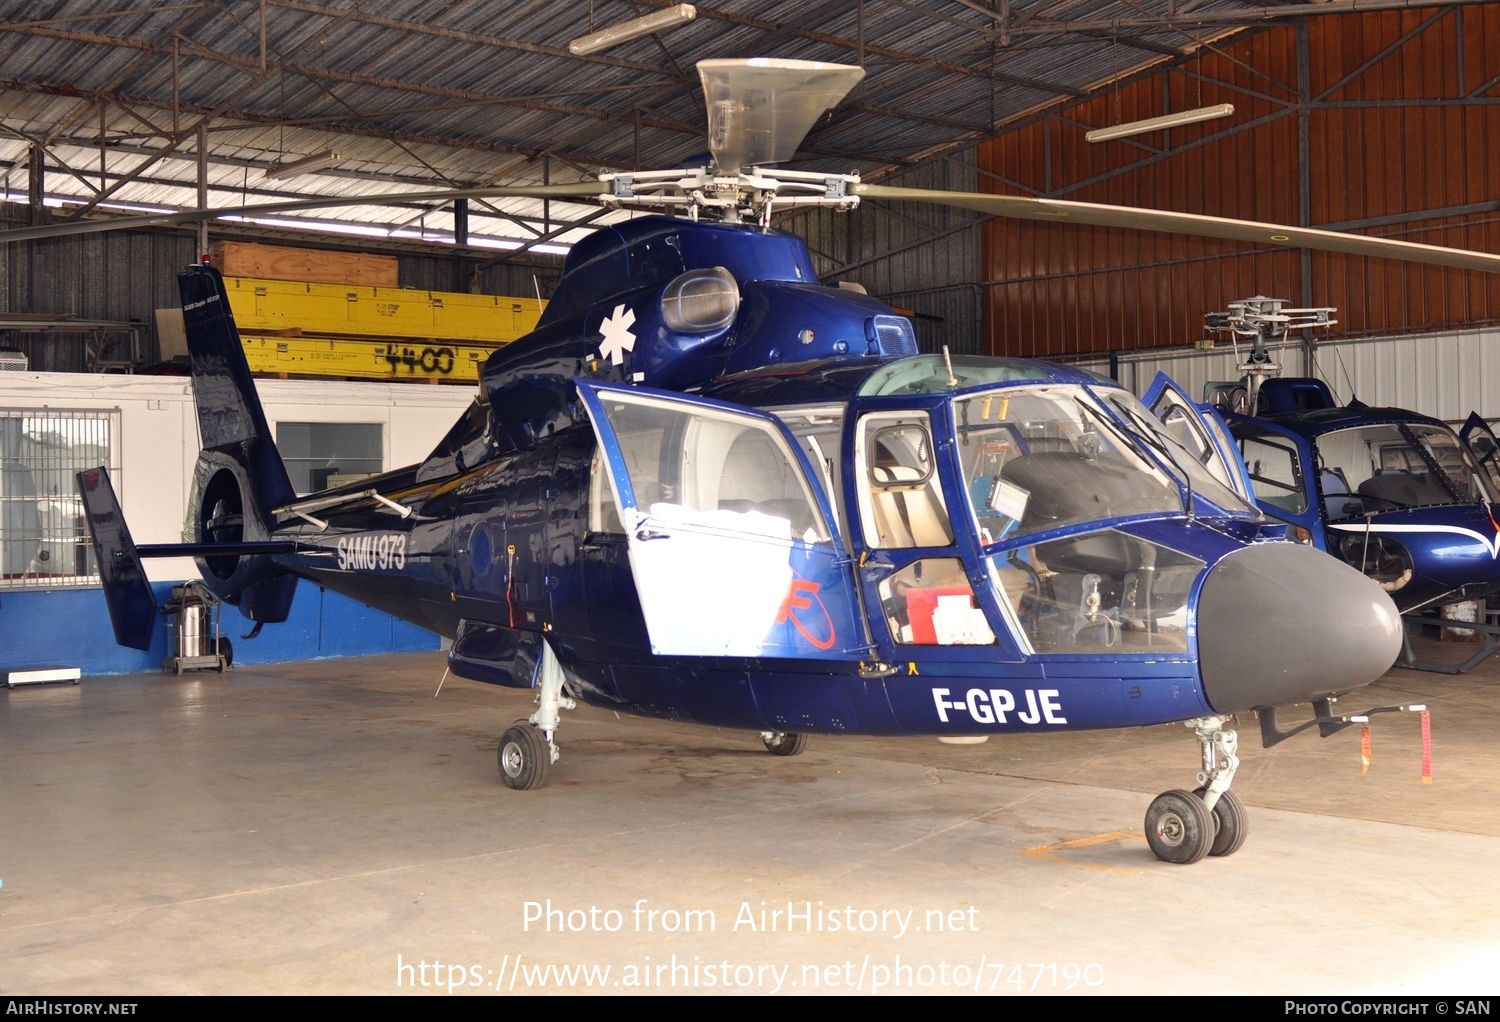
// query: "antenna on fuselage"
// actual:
[[948, 361]]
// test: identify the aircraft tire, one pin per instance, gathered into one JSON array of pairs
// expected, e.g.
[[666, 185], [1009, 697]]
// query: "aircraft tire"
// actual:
[[1231, 823], [523, 757], [784, 743], [1179, 827]]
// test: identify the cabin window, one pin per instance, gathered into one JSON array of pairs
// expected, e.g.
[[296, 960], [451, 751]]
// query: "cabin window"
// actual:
[[44, 535], [903, 505], [1099, 592], [1274, 473], [1482, 444], [720, 471], [818, 429], [322, 455], [930, 603]]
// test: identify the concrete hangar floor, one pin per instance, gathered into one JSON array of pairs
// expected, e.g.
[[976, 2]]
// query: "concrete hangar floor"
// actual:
[[339, 827]]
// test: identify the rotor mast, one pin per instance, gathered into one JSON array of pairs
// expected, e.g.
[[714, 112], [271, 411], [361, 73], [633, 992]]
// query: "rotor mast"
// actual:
[[1264, 322]]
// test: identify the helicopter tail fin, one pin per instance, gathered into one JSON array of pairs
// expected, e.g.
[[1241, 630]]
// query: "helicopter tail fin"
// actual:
[[240, 480]]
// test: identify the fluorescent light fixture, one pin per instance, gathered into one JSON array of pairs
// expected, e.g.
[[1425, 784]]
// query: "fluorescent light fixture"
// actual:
[[306, 165], [646, 24], [1206, 113]]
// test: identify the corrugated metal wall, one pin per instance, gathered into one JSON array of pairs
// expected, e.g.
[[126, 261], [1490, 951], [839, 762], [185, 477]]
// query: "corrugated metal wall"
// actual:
[[1398, 116], [125, 276], [919, 257], [1447, 374]]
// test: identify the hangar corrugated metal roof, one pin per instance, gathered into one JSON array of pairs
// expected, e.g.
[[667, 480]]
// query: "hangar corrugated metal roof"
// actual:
[[428, 93]]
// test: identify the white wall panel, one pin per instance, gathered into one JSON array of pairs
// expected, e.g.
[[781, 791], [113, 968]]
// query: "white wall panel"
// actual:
[[159, 432]]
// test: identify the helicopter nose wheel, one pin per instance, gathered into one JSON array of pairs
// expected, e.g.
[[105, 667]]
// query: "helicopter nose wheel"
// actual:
[[1230, 823], [1179, 827], [1184, 826]]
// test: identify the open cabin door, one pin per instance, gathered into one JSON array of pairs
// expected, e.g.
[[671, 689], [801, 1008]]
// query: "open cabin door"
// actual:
[[732, 545], [1479, 438], [1201, 431]]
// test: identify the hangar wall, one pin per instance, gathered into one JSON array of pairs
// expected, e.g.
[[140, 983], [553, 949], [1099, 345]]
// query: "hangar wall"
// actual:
[[1447, 374], [1381, 122], [156, 446], [125, 276], [918, 256]]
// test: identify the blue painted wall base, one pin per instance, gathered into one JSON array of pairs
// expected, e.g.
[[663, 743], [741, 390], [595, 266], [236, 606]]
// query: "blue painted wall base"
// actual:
[[71, 627]]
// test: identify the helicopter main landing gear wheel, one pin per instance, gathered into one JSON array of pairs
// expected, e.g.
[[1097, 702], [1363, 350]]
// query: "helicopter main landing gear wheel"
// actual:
[[783, 743], [528, 747], [524, 756]]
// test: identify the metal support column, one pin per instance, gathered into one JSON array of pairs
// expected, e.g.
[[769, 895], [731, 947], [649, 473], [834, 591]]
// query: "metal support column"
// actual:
[[36, 183]]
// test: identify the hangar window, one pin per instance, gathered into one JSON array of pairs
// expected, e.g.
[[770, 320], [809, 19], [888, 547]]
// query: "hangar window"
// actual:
[[44, 536], [321, 455]]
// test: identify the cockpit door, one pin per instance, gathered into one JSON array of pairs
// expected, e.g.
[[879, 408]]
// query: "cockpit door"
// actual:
[[1201, 430], [732, 544], [1480, 440]]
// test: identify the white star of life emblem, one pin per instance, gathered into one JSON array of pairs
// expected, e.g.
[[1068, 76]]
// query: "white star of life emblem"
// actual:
[[615, 335]]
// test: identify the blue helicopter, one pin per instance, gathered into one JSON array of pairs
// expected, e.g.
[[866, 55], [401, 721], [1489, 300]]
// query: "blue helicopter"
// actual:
[[1397, 494], [708, 488]]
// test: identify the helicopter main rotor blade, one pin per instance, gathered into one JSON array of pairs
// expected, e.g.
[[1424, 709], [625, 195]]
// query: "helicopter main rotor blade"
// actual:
[[1020, 207], [581, 189]]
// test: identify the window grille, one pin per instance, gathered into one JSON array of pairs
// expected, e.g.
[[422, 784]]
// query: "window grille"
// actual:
[[44, 535]]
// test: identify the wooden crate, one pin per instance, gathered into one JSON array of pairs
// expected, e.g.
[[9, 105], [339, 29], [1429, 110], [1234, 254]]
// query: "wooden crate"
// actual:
[[324, 266]]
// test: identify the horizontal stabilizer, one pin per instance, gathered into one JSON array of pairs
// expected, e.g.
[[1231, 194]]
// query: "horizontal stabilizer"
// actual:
[[127, 591]]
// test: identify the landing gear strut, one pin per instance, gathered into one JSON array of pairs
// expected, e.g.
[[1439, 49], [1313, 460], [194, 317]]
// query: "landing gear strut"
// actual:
[[527, 749], [1182, 827]]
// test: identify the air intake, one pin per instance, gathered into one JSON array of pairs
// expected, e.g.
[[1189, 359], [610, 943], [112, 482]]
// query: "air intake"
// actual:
[[13, 361], [894, 335]]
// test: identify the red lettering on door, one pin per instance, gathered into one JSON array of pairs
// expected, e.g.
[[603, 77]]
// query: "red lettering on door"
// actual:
[[800, 598]]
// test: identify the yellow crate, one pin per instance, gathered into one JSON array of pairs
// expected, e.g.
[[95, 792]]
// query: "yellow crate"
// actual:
[[294, 308], [396, 361]]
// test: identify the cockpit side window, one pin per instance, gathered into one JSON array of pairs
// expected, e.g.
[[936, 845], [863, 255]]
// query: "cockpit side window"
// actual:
[[1276, 474], [901, 500]]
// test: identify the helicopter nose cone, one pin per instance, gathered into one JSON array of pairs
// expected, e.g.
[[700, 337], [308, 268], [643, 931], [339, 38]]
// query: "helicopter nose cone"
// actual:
[[1285, 623]]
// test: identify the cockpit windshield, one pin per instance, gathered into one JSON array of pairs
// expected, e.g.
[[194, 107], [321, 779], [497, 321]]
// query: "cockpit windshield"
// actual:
[[1040, 458], [1396, 465]]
